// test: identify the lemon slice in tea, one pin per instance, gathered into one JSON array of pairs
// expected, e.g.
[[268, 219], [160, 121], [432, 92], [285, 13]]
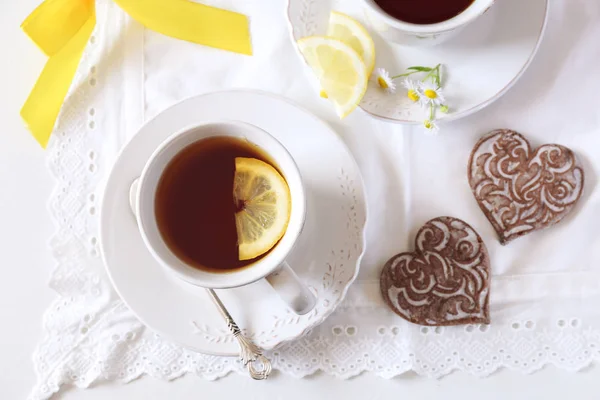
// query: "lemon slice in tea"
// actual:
[[263, 201]]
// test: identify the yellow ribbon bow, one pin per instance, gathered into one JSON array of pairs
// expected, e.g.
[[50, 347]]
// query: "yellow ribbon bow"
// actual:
[[61, 29]]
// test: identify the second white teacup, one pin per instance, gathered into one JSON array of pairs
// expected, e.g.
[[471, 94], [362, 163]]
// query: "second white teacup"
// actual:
[[407, 33]]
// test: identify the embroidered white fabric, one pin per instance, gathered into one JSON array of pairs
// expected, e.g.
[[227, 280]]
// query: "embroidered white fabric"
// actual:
[[545, 287]]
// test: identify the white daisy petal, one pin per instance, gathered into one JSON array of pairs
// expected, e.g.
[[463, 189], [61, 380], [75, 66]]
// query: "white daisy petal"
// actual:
[[409, 84], [431, 128], [391, 87], [413, 91], [431, 94], [383, 79]]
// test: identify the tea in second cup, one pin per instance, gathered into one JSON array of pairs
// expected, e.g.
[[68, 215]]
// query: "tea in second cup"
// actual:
[[422, 22]]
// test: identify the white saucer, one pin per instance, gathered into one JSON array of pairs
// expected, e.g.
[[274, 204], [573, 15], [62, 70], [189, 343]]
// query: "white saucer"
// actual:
[[327, 256], [481, 63]]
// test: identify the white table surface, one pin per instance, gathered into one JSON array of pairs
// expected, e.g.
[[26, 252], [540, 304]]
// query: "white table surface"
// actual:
[[25, 228]]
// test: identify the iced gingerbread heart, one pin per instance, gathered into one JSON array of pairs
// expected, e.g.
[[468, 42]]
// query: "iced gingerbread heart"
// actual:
[[520, 190], [445, 281]]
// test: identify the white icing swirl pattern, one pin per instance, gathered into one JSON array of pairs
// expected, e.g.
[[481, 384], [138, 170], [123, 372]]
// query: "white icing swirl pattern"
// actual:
[[445, 281], [521, 191]]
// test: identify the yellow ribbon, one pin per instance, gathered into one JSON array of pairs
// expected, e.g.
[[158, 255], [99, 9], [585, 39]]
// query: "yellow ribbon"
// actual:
[[61, 29]]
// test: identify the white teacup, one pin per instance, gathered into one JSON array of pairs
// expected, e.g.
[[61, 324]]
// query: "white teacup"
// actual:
[[272, 266], [422, 34]]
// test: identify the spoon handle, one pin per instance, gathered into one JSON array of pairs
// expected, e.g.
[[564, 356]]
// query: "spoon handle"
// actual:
[[258, 365]]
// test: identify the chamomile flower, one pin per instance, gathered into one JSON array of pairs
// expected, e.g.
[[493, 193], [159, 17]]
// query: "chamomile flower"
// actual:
[[431, 127], [431, 94], [426, 91], [384, 80], [412, 88]]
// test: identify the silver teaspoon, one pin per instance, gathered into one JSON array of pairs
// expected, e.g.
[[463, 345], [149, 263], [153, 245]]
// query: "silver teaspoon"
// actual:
[[258, 365]]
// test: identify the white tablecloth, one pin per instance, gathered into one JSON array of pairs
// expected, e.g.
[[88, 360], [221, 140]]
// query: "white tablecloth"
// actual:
[[542, 297]]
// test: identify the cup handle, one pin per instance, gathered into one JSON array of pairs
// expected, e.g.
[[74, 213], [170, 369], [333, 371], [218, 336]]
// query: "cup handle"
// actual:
[[291, 290], [284, 280]]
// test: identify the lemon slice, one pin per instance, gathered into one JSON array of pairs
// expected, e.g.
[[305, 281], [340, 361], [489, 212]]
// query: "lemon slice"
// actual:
[[263, 200], [351, 32], [340, 70]]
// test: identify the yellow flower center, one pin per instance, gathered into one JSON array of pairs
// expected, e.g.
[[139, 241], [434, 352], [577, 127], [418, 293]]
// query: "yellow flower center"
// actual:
[[413, 95], [432, 94], [381, 81], [428, 124], [323, 94]]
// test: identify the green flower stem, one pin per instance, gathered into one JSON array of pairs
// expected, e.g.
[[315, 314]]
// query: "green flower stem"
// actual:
[[405, 74], [431, 112], [434, 74]]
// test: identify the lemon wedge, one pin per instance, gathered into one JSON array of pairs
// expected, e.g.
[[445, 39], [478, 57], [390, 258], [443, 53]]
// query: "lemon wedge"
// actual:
[[351, 32], [340, 70], [263, 201]]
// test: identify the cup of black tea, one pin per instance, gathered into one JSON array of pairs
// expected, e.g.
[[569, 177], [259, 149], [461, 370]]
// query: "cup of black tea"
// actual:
[[186, 209], [422, 22]]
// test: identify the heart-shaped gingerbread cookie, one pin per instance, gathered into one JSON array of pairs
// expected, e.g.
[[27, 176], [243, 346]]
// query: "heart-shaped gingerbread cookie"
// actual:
[[520, 190], [445, 281]]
